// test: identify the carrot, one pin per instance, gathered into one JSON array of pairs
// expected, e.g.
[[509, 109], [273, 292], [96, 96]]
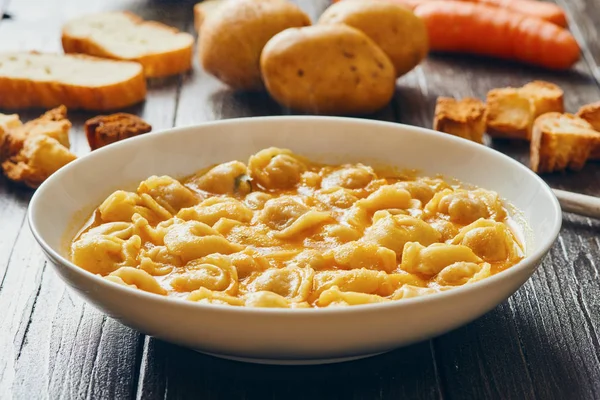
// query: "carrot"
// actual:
[[464, 27], [534, 8], [539, 9]]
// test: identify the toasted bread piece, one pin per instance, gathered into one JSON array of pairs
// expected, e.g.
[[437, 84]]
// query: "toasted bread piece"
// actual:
[[53, 123], [464, 118], [204, 9], [161, 49], [546, 96], [510, 114], [561, 141], [32, 80], [107, 129], [8, 122], [40, 157], [591, 113]]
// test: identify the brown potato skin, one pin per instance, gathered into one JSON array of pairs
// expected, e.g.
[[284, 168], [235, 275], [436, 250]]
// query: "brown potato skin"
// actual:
[[327, 69], [397, 30], [233, 37]]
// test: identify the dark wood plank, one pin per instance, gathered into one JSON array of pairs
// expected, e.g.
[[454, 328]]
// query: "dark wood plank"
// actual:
[[583, 18], [182, 374], [56, 343], [497, 356], [542, 343]]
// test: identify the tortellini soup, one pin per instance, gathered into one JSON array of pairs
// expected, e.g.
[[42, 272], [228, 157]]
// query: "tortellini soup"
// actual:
[[281, 231]]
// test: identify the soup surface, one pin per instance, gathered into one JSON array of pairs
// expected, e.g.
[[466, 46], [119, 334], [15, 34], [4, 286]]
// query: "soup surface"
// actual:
[[282, 231]]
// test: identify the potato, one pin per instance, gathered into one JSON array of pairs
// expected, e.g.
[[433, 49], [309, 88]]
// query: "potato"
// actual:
[[203, 9], [400, 33], [327, 69], [234, 35]]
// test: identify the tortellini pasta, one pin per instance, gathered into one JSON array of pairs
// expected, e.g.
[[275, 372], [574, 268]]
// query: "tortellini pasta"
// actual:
[[137, 278], [350, 177], [335, 297], [106, 248], [227, 178], [355, 255], [489, 239], [214, 272], [213, 209], [462, 272], [276, 168], [168, 192], [464, 206], [284, 232], [394, 231], [430, 260], [122, 205], [291, 282], [193, 239]]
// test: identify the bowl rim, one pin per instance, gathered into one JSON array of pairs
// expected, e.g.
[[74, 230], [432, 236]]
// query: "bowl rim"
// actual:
[[535, 257]]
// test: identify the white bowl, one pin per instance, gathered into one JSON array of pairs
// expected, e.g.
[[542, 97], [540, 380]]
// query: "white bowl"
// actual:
[[300, 336]]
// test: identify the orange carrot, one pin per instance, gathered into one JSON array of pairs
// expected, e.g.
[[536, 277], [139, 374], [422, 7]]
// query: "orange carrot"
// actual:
[[533, 8], [464, 27]]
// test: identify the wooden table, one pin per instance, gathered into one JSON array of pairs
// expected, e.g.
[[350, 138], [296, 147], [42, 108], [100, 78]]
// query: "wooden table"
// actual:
[[542, 343]]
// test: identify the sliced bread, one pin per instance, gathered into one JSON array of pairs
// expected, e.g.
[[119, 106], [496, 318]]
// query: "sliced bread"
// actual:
[[161, 49], [32, 80]]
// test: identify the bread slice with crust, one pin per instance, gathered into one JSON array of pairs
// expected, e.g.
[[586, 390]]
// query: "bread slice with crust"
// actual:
[[591, 113], [203, 10], [44, 80], [464, 118], [561, 141], [161, 49]]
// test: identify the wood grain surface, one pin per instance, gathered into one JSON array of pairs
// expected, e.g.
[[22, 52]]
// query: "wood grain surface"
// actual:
[[542, 343]]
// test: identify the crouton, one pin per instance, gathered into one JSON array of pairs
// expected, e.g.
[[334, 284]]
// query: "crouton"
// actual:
[[464, 118], [561, 141], [107, 129], [509, 114], [511, 111], [8, 122], [591, 113], [53, 123], [547, 97], [39, 158]]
